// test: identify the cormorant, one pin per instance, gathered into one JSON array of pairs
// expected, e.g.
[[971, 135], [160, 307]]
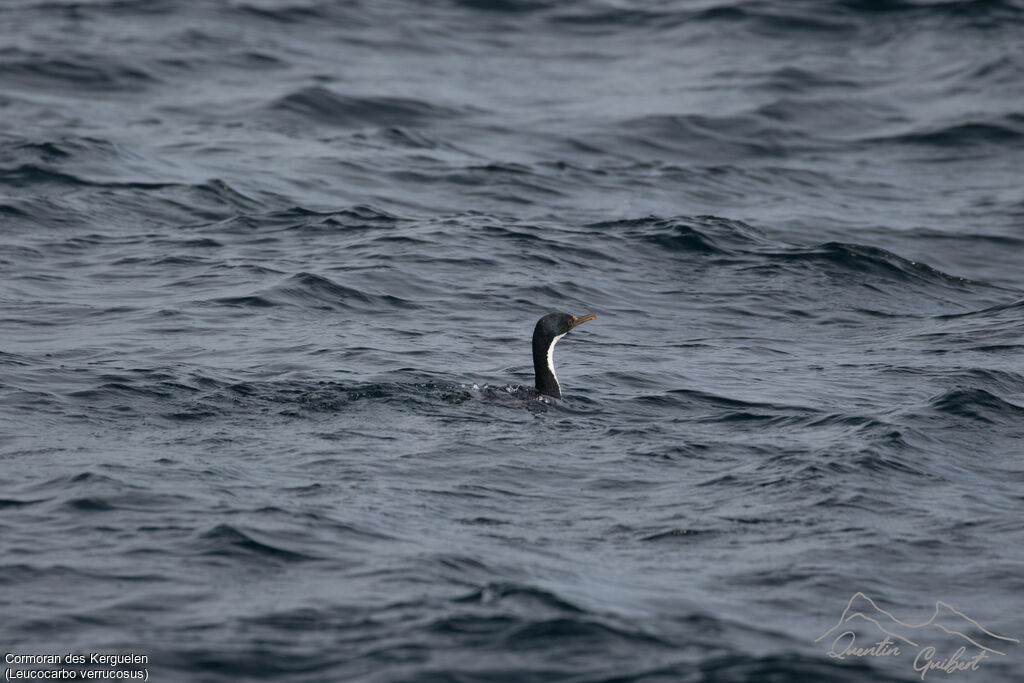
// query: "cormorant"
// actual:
[[546, 334]]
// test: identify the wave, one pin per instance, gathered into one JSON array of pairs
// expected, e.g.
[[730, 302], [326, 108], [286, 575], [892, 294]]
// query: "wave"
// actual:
[[615, 19], [551, 638], [792, 668], [824, 20], [12, 574], [697, 234], [320, 105], [749, 246], [505, 6], [407, 138], [1003, 10], [790, 127], [79, 72], [1008, 130], [16, 503], [791, 79], [977, 404], [867, 260], [122, 201], [308, 290], [197, 397], [513, 183], [752, 16], [29, 175], [994, 329], [519, 595], [1013, 309], [226, 541], [823, 122], [84, 149], [697, 136], [289, 14], [708, 408], [122, 186], [302, 220], [123, 389]]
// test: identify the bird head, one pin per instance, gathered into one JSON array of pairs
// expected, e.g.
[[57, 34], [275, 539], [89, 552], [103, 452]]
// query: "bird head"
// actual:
[[557, 324]]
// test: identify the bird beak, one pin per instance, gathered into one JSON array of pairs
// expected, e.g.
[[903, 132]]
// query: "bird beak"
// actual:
[[582, 319]]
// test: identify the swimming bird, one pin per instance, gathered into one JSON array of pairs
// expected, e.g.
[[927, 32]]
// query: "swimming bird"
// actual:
[[546, 334]]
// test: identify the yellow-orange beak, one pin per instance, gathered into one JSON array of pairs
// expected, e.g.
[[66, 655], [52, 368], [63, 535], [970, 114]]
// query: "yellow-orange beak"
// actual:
[[580, 320]]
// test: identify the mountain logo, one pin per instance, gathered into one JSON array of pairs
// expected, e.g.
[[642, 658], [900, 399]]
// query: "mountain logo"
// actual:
[[947, 627]]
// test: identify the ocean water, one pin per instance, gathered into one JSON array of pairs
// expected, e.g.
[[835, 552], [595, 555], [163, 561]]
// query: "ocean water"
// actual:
[[268, 267]]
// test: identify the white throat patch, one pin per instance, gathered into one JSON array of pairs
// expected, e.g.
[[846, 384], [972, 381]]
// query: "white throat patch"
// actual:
[[551, 355]]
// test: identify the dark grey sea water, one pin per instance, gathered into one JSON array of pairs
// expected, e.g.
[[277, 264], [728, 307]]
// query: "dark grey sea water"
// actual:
[[266, 267]]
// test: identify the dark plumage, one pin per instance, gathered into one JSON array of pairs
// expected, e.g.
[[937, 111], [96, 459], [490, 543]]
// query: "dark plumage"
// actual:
[[548, 331]]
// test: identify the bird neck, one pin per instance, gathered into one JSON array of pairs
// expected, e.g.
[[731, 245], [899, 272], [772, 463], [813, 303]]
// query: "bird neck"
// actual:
[[544, 365]]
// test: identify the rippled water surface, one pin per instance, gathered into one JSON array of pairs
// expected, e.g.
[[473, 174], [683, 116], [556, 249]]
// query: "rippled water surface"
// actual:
[[269, 268]]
